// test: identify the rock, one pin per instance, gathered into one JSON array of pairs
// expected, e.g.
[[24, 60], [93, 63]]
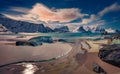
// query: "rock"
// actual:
[[116, 36], [36, 41], [43, 39], [62, 40], [28, 43], [98, 69], [110, 54]]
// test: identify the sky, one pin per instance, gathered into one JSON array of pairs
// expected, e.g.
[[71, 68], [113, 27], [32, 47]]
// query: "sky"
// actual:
[[71, 13]]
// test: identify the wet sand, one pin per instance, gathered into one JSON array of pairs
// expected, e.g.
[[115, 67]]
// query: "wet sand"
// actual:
[[87, 67], [9, 53], [78, 61]]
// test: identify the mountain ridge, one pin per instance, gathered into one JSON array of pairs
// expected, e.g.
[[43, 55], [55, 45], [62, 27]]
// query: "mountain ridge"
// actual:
[[23, 26]]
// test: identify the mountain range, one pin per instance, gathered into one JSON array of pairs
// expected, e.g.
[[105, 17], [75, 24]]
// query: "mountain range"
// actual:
[[4, 29], [87, 29], [22, 26], [15, 26]]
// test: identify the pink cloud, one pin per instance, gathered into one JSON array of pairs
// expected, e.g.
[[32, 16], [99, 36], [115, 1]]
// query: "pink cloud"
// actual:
[[40, 12], [61, 15]]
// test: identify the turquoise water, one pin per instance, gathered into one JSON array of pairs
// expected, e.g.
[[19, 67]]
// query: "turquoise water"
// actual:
[[69, 35], [61, 35], [72, 35]]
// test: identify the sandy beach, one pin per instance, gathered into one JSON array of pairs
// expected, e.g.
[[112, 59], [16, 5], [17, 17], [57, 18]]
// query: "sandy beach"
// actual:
[[82, 55], [28, 53]]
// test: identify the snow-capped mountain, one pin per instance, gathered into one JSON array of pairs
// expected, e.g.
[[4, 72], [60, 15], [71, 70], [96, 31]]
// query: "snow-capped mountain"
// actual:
[[81, 29], [87, 29], [22, 26], [4, 29], [75, 30], [97, 29]]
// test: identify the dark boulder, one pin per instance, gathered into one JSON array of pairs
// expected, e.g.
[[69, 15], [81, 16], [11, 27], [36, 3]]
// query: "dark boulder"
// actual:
[[43, 39], [98, 69], [28, 43], [110, 54]]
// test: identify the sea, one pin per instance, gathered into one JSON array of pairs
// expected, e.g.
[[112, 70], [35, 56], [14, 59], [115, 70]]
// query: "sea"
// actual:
[[64, 35], [72, 35]]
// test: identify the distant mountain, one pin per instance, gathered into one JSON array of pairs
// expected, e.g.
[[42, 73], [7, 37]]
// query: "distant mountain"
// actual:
[[22, 26], [3, 29], [87, 29], [98, 29], [62, 29], [81, 29], [75, 30]]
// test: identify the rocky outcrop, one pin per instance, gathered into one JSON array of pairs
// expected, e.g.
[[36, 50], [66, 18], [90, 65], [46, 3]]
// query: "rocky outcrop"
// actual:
[[117, 36], [36, 41], [43, 39], [110, 54], [28, 43]]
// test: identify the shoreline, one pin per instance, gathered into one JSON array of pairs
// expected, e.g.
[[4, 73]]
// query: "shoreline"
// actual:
[[76, 61], [35, 53]]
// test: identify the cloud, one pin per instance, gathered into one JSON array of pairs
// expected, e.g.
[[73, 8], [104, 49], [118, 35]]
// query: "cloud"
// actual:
[[114, 7], [88, 20], [97, 18], [43, 13], [19, 9], [53, 17]]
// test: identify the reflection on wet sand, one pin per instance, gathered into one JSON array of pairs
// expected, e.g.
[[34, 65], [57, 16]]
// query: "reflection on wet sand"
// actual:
[[29, 68]]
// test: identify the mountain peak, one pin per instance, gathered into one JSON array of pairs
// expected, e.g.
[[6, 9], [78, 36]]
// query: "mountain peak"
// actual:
[[3, 29], [88, 29]]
